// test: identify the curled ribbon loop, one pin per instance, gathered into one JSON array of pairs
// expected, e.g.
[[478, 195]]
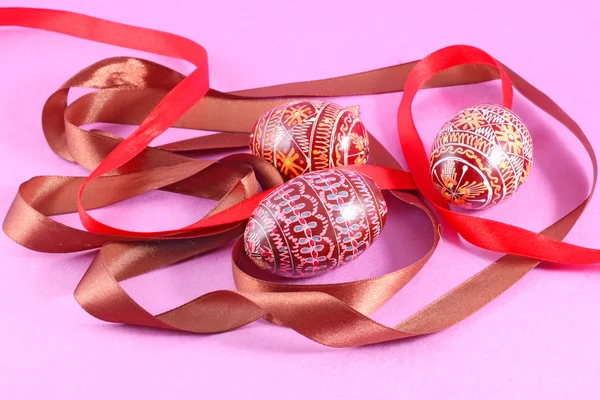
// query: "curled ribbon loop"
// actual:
[[139, 92]]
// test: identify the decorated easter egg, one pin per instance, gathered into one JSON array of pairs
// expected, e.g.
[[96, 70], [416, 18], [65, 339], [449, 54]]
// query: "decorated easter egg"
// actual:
[[310, 135], [481, 157], [315, 222]]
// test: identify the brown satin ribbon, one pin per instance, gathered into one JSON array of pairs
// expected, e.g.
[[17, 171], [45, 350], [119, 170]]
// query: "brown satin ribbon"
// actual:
[[332, 314]]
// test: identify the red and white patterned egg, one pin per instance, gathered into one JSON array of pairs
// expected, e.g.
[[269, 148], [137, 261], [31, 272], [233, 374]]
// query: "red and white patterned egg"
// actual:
[[309, 135], [481, 156], [315, 222]]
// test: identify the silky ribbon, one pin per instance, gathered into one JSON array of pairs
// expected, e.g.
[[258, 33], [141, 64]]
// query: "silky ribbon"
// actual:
[[139, 92]]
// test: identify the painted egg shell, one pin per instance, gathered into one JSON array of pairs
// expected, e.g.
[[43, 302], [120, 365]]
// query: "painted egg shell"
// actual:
[[309, 135], [315, 223], [481, 156]]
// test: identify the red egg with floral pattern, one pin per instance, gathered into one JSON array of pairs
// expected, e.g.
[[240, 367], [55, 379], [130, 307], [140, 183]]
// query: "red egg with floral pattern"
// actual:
[[481, 156], [309, 135], [315, 222]]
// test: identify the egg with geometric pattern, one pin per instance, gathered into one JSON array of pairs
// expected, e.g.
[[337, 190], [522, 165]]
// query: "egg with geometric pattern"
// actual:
[[309, 135], [481, 156], [314, 223]]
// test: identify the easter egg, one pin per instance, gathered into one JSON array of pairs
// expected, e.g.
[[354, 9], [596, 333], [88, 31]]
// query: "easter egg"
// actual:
[[481, 156], [309, 135], [315, 222]]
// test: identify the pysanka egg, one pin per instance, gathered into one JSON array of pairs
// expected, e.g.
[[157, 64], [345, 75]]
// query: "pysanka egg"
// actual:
[[309, 135], [315, 222], [481, 156]]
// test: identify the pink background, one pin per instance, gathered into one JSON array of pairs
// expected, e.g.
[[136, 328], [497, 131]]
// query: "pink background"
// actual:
[[539, 340]]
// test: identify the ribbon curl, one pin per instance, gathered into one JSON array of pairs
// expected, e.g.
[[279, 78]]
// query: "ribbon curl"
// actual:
[[139, 92]]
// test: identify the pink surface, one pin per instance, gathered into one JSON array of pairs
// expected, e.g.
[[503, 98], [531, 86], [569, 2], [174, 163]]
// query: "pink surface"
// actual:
[[539, 340]]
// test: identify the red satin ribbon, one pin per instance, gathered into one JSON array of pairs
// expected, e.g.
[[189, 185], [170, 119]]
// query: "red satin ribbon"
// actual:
[[485, 233], [179, 100]]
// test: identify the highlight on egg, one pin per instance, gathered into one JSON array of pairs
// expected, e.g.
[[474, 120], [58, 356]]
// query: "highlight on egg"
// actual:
[[315, 222], [309, 135], [481, 156]]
